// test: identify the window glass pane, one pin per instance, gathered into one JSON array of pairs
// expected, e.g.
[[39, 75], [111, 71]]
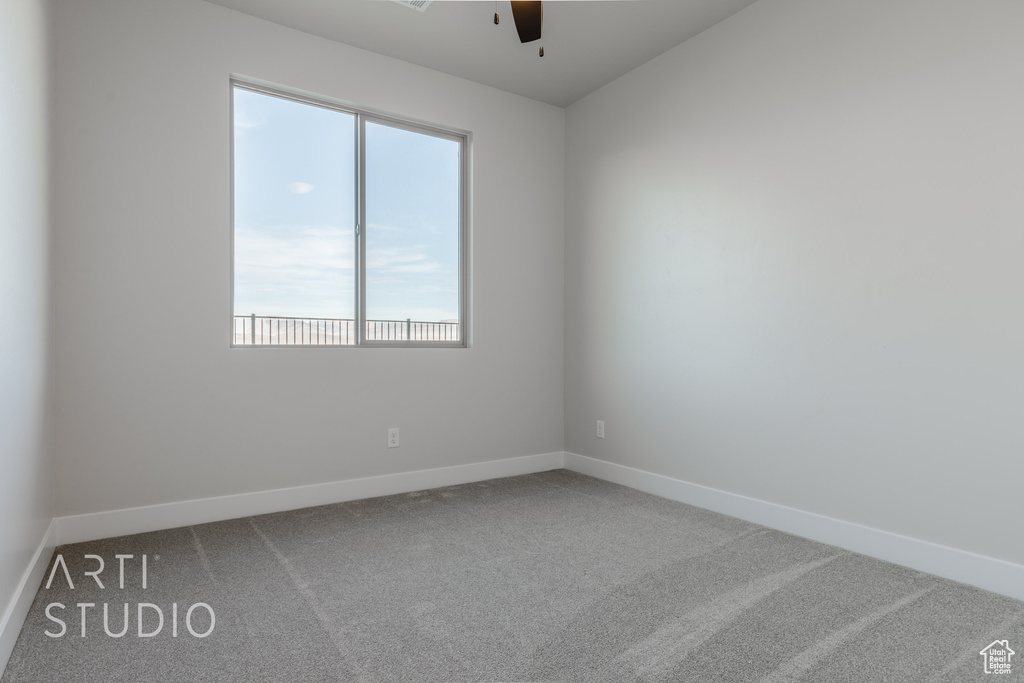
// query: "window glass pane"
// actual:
[[294, 209], [412, 235]]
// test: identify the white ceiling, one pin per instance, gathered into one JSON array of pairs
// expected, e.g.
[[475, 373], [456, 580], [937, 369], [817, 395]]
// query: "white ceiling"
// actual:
[[587, 43]]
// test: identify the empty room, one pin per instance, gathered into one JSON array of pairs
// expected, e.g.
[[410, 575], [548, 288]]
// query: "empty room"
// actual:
[[475, 341]]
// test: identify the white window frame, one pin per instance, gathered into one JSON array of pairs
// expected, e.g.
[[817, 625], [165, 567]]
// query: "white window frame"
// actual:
[[362, 117]]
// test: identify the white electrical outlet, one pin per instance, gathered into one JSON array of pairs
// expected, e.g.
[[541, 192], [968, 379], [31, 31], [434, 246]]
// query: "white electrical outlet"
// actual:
[[600, 429], [392, 437]]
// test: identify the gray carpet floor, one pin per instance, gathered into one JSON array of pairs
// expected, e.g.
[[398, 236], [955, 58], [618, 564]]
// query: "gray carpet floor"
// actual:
[[546, 577]]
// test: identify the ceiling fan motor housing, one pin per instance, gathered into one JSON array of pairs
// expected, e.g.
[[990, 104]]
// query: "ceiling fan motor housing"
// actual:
[[529, 18]]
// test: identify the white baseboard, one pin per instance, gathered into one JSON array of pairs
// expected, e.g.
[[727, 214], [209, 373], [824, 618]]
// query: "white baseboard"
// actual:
[[93, 526], [998, 576], [14, 616], [984, 572]]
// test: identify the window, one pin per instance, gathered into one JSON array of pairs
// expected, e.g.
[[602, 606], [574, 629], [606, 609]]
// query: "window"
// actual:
[[349, 228]]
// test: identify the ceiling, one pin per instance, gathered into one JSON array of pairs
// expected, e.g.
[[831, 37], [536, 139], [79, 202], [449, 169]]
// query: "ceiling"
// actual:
[[587, 43]]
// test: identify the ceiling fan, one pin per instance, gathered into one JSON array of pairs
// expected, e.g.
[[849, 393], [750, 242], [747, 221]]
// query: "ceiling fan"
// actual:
[[529, 18]]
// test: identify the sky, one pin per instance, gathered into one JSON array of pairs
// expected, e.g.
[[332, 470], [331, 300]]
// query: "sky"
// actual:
[[294, 230]]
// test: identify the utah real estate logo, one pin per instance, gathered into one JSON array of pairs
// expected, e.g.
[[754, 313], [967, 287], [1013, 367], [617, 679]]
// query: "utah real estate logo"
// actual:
[[997, 657]]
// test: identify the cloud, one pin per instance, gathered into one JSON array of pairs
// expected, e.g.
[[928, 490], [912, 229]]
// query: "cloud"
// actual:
[[243, 121], [294, 270], [300, 188], [399, 260], [309, 270], [404, 282]]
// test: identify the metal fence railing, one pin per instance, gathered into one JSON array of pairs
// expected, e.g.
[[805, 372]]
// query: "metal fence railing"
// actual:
[[265, 330]]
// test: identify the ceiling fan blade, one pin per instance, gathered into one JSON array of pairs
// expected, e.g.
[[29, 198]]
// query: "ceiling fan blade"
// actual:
[[529, 17]]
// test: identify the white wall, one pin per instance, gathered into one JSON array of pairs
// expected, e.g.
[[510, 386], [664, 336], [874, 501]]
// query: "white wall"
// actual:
[[793, 265], [26, 480], [152, 405]]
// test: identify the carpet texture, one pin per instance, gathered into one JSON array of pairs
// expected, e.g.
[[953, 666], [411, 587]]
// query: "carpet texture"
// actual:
[[546, 577]]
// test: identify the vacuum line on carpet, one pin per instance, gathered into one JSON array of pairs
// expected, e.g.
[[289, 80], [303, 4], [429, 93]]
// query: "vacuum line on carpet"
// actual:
[[656, 656], [243, 625], [795, 668], [971, 655], [203, 559], [311, 601]]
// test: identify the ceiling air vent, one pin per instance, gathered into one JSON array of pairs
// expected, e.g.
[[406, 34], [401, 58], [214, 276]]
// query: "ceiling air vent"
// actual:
[[420, 5]]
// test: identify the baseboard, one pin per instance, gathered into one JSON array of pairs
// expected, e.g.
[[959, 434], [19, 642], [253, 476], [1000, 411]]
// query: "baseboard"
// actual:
[[12, 619], [998, 576], [90, 527]]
